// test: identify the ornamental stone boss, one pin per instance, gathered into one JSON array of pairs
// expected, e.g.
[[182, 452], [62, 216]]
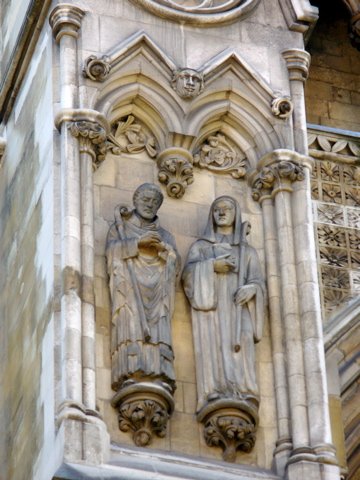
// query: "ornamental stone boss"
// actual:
[[142, 264]]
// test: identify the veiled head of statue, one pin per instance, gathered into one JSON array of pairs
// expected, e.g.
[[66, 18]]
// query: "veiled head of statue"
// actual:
[[224, 212], [147, 200]]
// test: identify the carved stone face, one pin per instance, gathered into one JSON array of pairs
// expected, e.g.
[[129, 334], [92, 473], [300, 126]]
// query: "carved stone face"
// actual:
[[224, 213], [147, 203], [188, 83]]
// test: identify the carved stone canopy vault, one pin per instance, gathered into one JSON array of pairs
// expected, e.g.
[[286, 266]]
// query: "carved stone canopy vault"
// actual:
[[233, 101]]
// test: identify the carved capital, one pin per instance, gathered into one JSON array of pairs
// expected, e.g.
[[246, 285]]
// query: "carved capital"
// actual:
[[298, 63], [96, 69], [274, 176], [175, 170], [230, 424], [282, 107], [144, 409], [65, 19], [277, 170], [2, 149], [92, 138], [216, 154]]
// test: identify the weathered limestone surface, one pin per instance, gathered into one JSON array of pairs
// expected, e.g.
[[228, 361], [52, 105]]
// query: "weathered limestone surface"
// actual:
[[27, 278]]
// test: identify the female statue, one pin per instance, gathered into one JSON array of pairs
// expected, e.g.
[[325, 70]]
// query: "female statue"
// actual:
[[225, 287]]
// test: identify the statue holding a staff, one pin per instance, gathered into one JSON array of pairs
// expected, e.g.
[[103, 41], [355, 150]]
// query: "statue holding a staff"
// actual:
[[142, 263], [225, 287]]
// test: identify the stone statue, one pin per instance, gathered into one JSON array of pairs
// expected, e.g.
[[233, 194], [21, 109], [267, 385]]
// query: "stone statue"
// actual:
[[225, 287], [188, 83], [142, 264]]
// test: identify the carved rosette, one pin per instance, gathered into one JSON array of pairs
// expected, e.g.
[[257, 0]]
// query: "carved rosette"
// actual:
[[282, 107], [175, 170], [274, 175], [216, 154], [230, 424], [144, 409], [92, 138], [96, 69]]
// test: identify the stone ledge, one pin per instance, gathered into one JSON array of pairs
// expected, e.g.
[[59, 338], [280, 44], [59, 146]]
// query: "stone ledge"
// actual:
[[140, 464]]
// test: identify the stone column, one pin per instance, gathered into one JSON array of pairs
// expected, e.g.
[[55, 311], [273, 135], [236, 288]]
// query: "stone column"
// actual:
[[306, 268], [65, 21], [284, 443], [83, 432], [91, 135], [278, 171]]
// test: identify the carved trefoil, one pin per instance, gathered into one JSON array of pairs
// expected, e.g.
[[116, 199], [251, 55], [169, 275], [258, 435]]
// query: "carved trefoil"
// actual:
[[225, 287], [142, 265]]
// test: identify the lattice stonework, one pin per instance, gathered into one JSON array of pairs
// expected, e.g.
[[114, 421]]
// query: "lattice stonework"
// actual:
[[336, 206]]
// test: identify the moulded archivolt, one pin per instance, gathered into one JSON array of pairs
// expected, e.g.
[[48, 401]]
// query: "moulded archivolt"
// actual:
[[201, 12]]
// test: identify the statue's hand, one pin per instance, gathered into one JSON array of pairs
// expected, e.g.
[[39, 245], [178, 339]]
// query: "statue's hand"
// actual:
[[224, 264], [151, 239], [244, 294]]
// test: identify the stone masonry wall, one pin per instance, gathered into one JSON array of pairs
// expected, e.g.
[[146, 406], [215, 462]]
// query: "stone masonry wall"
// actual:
[[332, 90], [26, 280]]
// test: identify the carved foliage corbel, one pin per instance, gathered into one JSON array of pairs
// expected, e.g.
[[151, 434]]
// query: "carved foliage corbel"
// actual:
[[175, 166]]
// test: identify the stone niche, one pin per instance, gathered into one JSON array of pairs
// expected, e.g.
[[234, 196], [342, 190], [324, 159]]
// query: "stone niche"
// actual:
[[114, 183]]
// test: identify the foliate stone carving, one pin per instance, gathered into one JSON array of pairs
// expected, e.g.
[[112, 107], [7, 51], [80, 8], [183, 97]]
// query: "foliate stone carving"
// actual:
[[142, 263], [351, 174], [355, 259], [329, 171], [354, 239], [282, 107], [333, 299], [131, 137], [96, 69], [145, 418], [224, 285], [175, 170], [218, 155], [353, 217], [329, 144], [337, 257], [232, 432], [92, 135], [352, 196], [331, 236], [330, 214], [266, 179], [188, 83], [331, 193], [335, 277]]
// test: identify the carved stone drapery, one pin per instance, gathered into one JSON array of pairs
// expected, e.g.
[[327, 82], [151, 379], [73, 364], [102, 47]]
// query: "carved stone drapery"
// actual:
[[142, 265], [175, 166], [216, 154], [223, 282]]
